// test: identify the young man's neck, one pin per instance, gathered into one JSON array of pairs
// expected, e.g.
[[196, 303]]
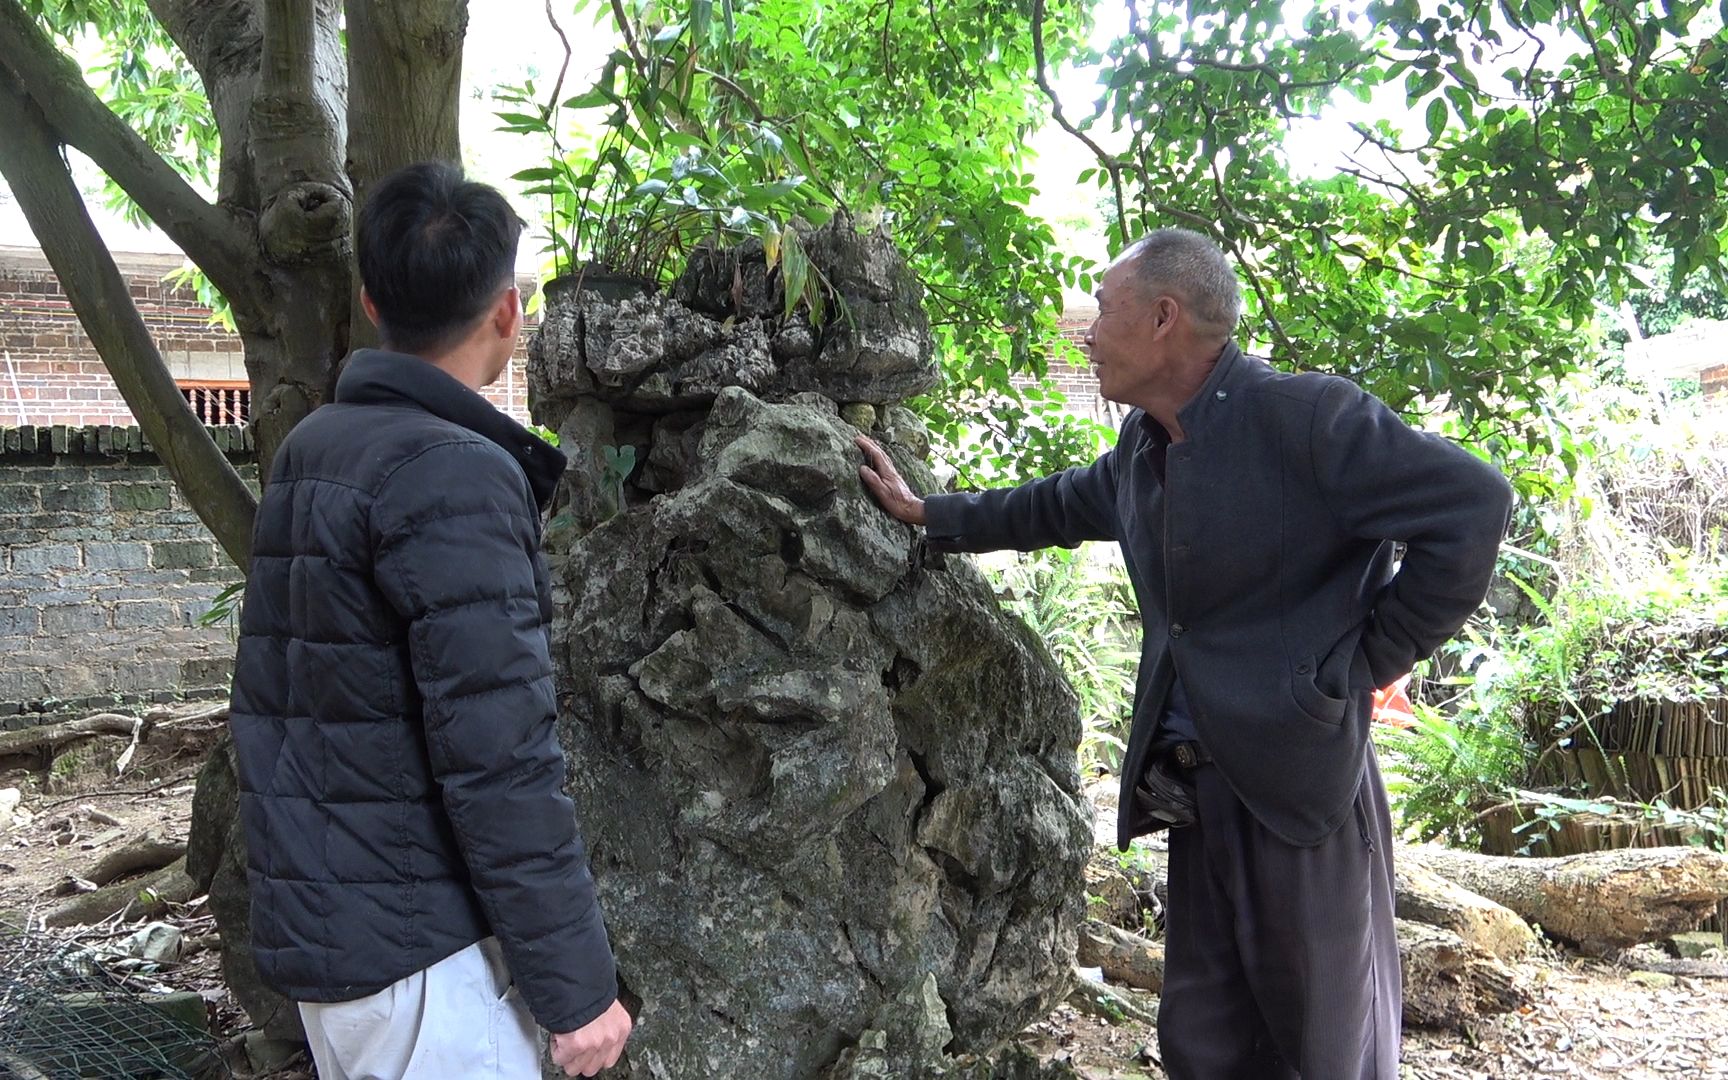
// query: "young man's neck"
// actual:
[[465, 362]]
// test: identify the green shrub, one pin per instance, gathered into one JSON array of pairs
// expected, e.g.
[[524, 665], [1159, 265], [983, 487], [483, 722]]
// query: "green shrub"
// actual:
[[1082, 610]]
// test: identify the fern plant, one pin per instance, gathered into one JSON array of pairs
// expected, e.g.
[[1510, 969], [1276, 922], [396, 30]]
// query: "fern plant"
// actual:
[[1078, 608]]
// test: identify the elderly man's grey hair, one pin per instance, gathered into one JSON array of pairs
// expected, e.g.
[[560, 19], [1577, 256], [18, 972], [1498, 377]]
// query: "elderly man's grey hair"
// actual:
[[1192, 267]]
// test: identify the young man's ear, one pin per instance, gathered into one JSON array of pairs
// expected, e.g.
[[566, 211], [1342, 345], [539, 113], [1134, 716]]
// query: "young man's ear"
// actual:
[[507, 313], [368, 306]]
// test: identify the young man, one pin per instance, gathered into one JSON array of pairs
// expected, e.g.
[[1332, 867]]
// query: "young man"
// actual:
[[418, 884], [1257, 514]]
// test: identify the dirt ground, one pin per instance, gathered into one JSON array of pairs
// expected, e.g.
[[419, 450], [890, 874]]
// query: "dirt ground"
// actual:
[[1591, 1018]]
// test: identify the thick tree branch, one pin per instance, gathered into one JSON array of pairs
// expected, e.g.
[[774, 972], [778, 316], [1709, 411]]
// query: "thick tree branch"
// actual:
[[297, 132], [404, 96], [224, 41], [298, 110], [31, 163], [208, 235]]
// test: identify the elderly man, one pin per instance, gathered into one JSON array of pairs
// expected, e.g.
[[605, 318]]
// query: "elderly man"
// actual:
[[1257, 513]]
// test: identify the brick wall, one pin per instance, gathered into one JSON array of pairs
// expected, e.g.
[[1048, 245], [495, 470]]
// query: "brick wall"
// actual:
[[104, 572], [1714, 380], [50, 374]]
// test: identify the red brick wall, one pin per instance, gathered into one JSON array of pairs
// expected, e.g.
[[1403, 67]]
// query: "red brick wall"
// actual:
[[50, 374], [1714, 380]]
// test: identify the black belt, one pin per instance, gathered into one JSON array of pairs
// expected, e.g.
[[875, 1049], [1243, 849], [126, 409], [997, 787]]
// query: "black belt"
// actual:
[[1187, 755]]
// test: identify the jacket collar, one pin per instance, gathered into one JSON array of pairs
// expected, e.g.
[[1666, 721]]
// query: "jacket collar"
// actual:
[[1213, 394], [377, 377]]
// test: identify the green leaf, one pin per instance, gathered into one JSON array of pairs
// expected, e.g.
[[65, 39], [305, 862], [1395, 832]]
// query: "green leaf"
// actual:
[[1437, 115], [592, 99]]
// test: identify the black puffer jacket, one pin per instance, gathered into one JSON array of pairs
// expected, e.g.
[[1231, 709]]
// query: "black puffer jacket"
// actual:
[[401, 782]]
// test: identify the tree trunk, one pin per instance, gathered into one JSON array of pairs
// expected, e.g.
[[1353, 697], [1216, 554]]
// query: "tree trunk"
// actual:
[[147, 852], [1601, 901], [1447, 980], [1124, 957], [399, 53], [31, 163]]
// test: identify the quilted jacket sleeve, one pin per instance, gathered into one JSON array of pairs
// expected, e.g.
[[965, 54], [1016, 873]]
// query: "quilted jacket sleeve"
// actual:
[[456, 538]]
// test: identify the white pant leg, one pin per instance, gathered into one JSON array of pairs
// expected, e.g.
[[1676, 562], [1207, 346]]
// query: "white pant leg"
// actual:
[[461, 1017]]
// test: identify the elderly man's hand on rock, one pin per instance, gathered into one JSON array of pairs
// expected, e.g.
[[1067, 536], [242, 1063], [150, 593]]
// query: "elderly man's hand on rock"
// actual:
[[887, 485]]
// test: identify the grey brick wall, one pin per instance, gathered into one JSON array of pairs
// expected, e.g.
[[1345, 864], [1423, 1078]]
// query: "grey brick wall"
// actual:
[[104, 571]]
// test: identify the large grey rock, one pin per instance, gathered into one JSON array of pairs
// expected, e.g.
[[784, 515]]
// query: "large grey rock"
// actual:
[[829, 790], [723, 325]]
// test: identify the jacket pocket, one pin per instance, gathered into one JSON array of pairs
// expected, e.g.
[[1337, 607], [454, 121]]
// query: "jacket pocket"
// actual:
[[1320, 686], [1306, 692]]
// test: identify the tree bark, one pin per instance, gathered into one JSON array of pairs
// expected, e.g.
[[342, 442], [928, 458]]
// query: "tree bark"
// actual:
[[223, 40], [305, 215], [32, 165], [1448, 982], [1425, 897], [1124, 957], [142, 898], [1598, 902], [400, 53], [147, 852]]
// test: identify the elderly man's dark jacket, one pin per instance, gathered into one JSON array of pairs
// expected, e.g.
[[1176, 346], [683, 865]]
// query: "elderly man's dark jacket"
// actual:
[[401, 782], [1262, 561]]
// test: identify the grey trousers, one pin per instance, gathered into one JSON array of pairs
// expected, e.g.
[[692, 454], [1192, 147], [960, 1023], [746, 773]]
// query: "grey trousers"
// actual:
[[1280, 961]]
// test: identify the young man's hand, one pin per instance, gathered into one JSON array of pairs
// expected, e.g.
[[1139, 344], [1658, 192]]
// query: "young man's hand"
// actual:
[[884, 481], [594, 1046]]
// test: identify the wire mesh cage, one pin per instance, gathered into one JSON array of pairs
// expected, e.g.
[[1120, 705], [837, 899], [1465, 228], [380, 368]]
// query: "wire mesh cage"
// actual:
[[64, 1016]]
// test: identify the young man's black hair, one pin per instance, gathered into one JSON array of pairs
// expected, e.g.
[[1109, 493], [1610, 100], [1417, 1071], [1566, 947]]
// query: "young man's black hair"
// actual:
[[434, 250]]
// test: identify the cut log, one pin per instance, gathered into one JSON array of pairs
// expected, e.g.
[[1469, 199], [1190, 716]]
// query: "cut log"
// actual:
[[140, 898], [1691, 969], [1448, 982], [1598, 902], [53, 736], [147, 852], [1109, 1003], [1425, 897], [1125, 957]]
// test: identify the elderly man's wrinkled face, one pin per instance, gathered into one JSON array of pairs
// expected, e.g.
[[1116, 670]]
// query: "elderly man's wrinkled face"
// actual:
[[1128, 341]]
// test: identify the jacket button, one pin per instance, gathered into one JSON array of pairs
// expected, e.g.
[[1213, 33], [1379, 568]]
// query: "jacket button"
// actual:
[[1222, 394], [1301, 669], [1177, 629]]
